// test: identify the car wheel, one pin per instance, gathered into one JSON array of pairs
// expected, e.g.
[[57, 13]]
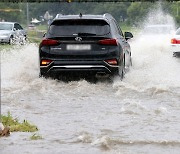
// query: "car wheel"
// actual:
[[130, 60], [42, 75], [121, 71], [11, 40], [23, 40]]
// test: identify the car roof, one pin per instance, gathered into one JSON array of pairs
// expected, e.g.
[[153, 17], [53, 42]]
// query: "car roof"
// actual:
[[8, 22], [105, 16]]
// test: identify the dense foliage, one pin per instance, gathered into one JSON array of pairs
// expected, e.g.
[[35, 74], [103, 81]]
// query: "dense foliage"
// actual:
[[127, 12]]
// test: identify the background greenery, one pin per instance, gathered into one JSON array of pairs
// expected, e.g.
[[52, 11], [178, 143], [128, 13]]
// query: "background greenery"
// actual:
[[127, 13]]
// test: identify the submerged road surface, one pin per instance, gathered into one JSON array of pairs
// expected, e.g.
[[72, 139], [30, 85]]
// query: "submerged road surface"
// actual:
[[137, 115]]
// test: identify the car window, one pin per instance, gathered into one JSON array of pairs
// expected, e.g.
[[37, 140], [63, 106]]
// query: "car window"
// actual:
[[17, 27], [5, 26], [79, 27]]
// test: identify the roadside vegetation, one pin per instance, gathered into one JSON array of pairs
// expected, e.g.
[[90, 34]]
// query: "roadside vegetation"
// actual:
[[36, 35], [33, 37], [15, 126], [130, 13], [36, 137], [4, 47]]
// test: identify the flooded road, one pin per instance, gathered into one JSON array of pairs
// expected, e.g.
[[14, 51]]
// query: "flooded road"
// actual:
[[137, 115]]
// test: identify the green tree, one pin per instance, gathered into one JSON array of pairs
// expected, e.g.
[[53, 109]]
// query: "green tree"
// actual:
[[11, 12], [138, 11], [131, 13]]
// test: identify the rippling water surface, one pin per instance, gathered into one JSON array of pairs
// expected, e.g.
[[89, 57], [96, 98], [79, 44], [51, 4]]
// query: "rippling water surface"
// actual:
[[137, 115]]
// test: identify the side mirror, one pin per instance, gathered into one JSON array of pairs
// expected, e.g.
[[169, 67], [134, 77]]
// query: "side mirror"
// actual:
[[14, 29], [128, 35]]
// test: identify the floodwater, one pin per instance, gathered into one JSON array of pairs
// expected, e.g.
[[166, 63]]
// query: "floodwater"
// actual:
[[139, 115]]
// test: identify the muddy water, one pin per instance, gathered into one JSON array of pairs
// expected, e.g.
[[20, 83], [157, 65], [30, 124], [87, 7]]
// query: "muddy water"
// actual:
[[139, 115]]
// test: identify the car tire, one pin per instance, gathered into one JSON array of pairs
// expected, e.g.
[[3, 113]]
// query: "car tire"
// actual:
[[11, 40], [23, 40], [48, 75], [131, 60], [121, 70], [43, 75]]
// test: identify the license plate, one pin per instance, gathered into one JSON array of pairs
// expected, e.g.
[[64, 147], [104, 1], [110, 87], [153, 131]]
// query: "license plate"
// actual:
[[78, 47]]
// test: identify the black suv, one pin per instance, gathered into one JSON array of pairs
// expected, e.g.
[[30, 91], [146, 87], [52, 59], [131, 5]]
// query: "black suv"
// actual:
[[89, 44]]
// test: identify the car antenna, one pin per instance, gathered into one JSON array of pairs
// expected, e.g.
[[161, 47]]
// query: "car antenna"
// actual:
[[80, 15]]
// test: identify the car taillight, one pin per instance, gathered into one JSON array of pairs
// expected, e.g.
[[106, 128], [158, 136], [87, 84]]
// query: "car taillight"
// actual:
[[108, 42], [112, 61], [47, 42], [45, 62], [175, 41]]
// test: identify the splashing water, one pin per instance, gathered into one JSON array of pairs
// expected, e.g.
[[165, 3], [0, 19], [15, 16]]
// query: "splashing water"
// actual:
[[137, 115], [158, 16], [154, 68]]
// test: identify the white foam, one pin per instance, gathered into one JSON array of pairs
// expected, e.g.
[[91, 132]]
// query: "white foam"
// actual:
[[154, 68]]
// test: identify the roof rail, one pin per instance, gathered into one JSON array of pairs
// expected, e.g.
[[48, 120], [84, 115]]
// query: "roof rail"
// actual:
[[58, 16], [107, 15]]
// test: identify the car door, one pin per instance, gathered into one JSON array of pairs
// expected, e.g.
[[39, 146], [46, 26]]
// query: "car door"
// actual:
[[19, 32], [16, 32]]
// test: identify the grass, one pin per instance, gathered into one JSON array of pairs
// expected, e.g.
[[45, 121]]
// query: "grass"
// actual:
[[4, 47], [36, 35], [42, 27], [128, 28], [33, 37], [36, 137], [16, 126]]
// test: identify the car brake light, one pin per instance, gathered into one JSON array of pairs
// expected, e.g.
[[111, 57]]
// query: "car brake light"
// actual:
[[45, 62], [112, 61], [108, 42], [47, 42], [175, 41]]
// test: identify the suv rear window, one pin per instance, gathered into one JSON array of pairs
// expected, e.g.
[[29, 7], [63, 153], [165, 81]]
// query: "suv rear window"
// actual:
[[81, 27]]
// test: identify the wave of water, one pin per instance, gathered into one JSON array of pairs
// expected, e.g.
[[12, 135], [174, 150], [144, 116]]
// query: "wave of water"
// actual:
[[130, 116]]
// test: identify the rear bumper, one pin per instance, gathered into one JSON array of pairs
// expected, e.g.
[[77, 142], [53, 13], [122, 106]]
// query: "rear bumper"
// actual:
[[92, 67], [175, 48]]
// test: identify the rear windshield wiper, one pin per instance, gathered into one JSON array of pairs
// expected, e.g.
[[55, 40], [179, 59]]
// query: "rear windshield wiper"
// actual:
[[86, 34]]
